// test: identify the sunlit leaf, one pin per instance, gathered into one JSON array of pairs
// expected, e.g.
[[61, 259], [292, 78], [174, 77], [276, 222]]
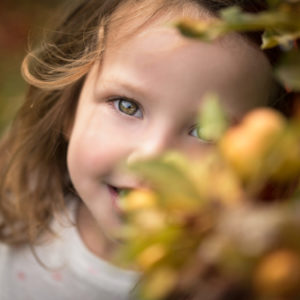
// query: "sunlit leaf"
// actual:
[[237, 20], [233, 19], [201, 29], [284, 39]]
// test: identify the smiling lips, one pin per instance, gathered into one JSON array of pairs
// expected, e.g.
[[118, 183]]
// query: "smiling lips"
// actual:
[[115, 195]]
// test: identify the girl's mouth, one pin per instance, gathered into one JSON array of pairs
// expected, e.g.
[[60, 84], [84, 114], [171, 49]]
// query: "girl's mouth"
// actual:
[[113, 189], [115, 196]]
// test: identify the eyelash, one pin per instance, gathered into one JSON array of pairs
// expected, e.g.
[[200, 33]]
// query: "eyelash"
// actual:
[[115, 102]]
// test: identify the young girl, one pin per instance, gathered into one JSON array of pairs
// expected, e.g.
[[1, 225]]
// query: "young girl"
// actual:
[[113, 82]]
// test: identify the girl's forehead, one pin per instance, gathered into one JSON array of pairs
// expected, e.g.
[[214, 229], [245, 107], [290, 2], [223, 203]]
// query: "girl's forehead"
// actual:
[[138, 19], [157, 18], [152, 19]]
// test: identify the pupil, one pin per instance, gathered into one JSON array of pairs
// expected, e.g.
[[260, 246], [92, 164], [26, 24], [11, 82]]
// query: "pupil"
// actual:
[[127, 107]]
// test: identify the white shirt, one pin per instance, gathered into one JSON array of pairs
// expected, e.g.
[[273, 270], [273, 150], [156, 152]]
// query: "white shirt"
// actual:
[[71, 271]]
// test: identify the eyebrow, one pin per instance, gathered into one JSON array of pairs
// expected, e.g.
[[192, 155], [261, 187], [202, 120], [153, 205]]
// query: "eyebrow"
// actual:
[[124, 86]]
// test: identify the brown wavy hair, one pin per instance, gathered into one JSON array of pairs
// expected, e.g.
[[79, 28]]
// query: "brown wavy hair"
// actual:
[[34, 179]]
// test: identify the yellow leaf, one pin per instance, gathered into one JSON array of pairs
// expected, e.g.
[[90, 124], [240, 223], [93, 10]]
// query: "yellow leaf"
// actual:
[[150, 256], [138, 199], [150, 220], [160, 283]]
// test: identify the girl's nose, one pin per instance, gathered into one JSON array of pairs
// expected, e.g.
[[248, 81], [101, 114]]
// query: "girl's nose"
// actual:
[[152, 147]]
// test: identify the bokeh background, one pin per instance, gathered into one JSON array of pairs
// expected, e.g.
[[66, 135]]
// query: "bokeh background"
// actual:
[[22, 22]]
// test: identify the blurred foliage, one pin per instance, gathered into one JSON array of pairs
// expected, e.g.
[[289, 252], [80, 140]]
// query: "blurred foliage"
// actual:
[[18, 20], [225, 225]]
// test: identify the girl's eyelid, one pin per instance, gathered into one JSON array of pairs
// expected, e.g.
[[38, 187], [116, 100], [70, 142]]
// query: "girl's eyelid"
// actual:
[[118, 97]]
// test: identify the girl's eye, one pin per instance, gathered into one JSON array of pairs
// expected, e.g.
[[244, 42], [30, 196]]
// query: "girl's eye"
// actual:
[[128, 107], [196, 132]]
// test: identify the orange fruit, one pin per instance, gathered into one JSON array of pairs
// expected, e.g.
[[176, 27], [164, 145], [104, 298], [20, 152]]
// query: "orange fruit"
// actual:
[[278, 274], [245, 146]]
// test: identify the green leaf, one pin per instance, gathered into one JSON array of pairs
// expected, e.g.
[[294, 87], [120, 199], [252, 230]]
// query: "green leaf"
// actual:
[[212, 119], [272, 38], [280, 19], [269, 39], [232, 14], [283, 20], [288, 70], [203, 30], [170, 181]]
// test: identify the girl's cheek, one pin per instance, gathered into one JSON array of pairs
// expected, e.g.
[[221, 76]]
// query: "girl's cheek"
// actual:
[[97, 158]]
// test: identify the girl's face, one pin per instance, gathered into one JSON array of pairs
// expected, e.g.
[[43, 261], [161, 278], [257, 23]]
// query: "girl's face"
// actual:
[[144, 100]]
